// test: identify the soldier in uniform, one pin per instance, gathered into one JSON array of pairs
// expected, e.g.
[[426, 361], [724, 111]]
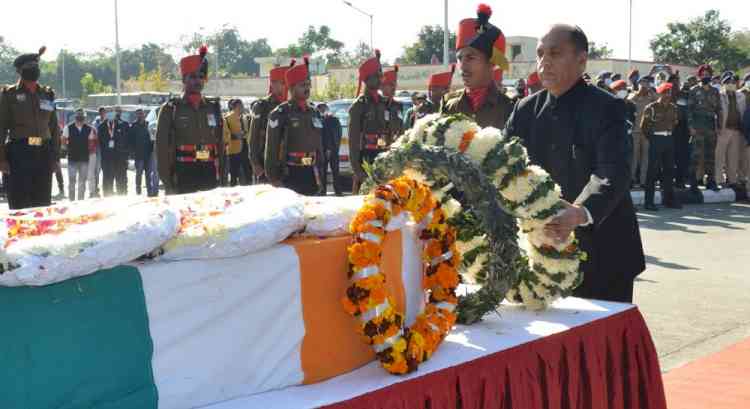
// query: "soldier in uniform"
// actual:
[[704, 110], [682, 132], [368, 133], [189, 140], [640, 100], [393, 109], [438, 85], [481, 47], [29, 136], [659, 120], [277, 93], [294, 137]]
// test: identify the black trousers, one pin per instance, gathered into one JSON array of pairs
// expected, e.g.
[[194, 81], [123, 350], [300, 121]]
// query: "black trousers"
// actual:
[[29, 183], [245, 165], [682, 156], [617, 289], [195, 177], [235, 169], [660, 157], [301, 179], [330, 159], [115, 173]]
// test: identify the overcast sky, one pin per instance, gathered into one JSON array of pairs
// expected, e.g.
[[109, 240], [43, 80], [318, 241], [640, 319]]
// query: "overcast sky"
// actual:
[[88, 25]]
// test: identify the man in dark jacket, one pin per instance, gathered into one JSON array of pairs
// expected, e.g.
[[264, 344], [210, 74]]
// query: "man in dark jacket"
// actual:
[[115, 148], [143, 147], [331, 146], [578, 133]]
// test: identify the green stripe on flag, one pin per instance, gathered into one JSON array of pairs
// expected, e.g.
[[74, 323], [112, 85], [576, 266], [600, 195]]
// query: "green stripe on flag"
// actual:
[[82, 343]]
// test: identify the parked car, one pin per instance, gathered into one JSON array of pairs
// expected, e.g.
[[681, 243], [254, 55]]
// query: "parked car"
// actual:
[[340, 108]]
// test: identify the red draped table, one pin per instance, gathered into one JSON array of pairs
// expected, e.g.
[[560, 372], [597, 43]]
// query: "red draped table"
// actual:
[[580, 354]]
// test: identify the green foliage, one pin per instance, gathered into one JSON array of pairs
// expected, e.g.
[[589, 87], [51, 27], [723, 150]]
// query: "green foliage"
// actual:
[[705, 39], [599, 52], [318, 41], [236, 55], [334, 90], [429, 42], [7, 55], [91, 85]]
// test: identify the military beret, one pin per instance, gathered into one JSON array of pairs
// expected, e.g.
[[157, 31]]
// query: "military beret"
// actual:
[[26, 58]]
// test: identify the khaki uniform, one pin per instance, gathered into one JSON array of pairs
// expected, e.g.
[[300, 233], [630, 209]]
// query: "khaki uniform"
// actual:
[[190, 145], [640, 141], [414, 114], [236, 136], [494, 111], [29, 143], [704, 109], [658, 122], [394, 119], [368, 134], [258, 125], [293, 147]]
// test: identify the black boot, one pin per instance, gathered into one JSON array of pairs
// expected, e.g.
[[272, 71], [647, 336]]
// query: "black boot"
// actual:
[[711, 185], [650, 207]]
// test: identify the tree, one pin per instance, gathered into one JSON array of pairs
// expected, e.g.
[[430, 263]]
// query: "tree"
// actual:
[[705, 39], [236, 55], [7, 54], [429, 42], [91, 85], [318, 42], [599, 52]]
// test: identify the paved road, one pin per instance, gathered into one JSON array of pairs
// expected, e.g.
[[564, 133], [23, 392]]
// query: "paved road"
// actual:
[[695, 293]]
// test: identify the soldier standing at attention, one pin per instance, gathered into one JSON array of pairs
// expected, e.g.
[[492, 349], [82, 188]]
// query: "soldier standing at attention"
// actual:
[[189, 138], [659, 120], [277, 93], [438, 85], [704, 111], [367, 124], [393, 109], [640, 141], [294, 137], [29, 136], [481, 47]]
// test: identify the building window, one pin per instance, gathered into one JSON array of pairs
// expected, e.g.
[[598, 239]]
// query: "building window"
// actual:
[[515, 51]]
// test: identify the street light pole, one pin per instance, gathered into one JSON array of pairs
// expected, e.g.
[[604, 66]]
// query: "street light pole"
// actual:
[[371, 16], [630, 36], [117, 56], [63, 73], [446, 37]]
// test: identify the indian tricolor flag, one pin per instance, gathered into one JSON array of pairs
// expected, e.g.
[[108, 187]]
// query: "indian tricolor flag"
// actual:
[[191, 333]]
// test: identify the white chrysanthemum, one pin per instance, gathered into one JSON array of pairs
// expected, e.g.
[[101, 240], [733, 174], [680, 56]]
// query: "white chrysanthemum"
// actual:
[[569, 280], [511, 295], [418, 176], [553, 265], [467, 246], [539, 238], [451, 208], [530, 299], [548, 201], [483, 142], [455, 133], [419, 130], [500, 173], [472, 272]]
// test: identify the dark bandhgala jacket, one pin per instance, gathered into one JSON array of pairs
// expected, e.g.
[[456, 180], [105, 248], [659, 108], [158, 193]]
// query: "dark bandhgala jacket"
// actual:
[[581, 139]]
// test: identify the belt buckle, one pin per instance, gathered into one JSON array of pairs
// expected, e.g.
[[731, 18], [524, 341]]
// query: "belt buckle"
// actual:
[[307, 161], [35, 141], [381, 142], [202, 155]]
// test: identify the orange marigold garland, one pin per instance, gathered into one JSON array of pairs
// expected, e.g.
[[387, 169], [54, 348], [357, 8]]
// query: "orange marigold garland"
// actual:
[[399, 349]]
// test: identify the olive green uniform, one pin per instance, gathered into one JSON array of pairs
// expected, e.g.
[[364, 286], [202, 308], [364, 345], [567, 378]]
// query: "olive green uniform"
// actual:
[[704, 109], [293, 147], [29, 143], [190, 145], [658, 122], [394, 119], [258, 125], [494, 111], [368, 133]]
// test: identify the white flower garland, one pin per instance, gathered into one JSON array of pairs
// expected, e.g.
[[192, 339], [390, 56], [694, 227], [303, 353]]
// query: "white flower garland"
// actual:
[[528, 192]]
